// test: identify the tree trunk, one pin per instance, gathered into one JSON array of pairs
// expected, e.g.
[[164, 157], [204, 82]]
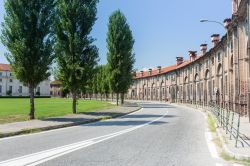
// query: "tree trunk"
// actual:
[[74, 102], [106, 94], [112, 96], [117, 99], [122, 98], [32, 104], [101, 96]]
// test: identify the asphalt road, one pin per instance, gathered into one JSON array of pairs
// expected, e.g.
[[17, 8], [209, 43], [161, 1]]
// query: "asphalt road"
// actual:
[[157, 135]]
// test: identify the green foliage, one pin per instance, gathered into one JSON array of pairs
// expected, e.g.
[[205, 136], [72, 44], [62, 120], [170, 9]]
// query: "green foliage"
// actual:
[[120, 53], [102, 79], [76, 54], [27, 34]]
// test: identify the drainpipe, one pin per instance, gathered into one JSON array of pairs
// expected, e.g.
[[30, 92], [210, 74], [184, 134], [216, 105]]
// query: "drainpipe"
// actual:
[[248, 45]]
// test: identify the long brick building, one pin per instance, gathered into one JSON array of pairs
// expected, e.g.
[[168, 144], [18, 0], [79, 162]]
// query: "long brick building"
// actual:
[[219, 75]]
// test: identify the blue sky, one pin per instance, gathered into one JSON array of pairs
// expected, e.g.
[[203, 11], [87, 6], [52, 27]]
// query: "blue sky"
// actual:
[[162, 29]]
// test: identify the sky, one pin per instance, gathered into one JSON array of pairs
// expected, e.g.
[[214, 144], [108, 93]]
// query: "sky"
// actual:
[[162, 29]]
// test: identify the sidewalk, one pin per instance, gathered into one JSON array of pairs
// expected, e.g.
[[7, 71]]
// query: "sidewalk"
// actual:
[[17, 128], [238, 152]]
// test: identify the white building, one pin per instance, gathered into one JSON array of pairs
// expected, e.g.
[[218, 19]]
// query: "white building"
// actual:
[[10, 86]]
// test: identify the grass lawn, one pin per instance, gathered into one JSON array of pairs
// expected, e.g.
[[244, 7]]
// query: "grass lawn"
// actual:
[[13, 110]]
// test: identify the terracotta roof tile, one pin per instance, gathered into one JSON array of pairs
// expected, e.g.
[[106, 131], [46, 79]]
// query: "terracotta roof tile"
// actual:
[[5, 67], [164, 69]]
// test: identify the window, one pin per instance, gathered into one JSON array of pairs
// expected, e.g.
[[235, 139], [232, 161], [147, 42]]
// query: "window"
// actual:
[[201, 89], [10, 89], [20, 89], [219, 58], [10, 74], [0, 88], [1, 74], [207, 63], [191, 90], [1, 80], [213, 87], [226, 85], [11, 80], [212, 60]]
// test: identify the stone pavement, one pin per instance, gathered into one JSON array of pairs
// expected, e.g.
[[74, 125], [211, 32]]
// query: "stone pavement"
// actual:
[[17, 128], [239, 152]]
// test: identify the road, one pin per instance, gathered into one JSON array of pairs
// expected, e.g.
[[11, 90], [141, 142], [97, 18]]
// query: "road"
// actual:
[[157, 135]]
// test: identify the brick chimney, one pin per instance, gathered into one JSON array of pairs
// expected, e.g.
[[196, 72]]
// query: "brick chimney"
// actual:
[[192, 55], [159, 69], [215, 39], [142, 73], [179, 60], [203, 48], [134, 74], [227, 22], [150, 71]]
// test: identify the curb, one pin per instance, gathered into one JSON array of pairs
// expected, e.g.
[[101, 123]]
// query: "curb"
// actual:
[[229, 152], [224, 146], [37, 130]]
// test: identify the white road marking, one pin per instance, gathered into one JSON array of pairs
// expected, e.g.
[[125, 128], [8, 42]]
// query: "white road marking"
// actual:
[[211, 145], [65, 128], [218, 164], [43, 156]]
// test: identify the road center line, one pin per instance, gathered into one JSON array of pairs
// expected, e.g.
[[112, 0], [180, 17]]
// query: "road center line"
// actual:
[[43, 156]]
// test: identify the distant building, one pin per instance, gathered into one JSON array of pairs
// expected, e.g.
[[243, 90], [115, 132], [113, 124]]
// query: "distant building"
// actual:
[[10, 86], [55, 89]]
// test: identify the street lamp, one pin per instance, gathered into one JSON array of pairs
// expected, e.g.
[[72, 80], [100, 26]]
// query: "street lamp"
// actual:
[[217, 22], [225, 26]]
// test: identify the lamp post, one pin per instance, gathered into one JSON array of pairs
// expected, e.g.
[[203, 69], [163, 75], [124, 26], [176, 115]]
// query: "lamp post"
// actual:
[[212, 21], [225, 25]]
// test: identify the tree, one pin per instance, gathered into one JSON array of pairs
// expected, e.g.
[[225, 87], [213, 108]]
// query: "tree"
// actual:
[[106, 81], [28, 36], [120, 54], [76, 54]]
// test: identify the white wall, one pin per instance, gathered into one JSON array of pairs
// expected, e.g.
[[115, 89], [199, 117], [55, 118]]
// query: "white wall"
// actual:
[[6, 83]]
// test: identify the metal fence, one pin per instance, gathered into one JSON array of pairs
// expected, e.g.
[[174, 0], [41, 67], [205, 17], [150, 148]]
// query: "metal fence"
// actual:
[[230, 122]]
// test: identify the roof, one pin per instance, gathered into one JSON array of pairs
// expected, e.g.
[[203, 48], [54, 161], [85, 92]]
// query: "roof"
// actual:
[[56, 82], [5, 67], [155, 72], [165, 70]]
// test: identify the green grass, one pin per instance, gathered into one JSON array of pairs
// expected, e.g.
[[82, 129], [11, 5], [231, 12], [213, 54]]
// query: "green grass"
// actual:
[[13, 110], [211, 123], [232, 159]]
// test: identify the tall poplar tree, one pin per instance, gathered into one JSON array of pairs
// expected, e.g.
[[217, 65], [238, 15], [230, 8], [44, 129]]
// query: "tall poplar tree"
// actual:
[[120, 54], [76, 54], [27, 34]]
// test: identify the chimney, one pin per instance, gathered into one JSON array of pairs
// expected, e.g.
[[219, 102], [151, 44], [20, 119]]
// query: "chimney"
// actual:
[[203, 48], [159, 69], [134, 73], [141, 73], [227, 22], [215, 39], [150, 71], [179, 60], [192, 55]]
